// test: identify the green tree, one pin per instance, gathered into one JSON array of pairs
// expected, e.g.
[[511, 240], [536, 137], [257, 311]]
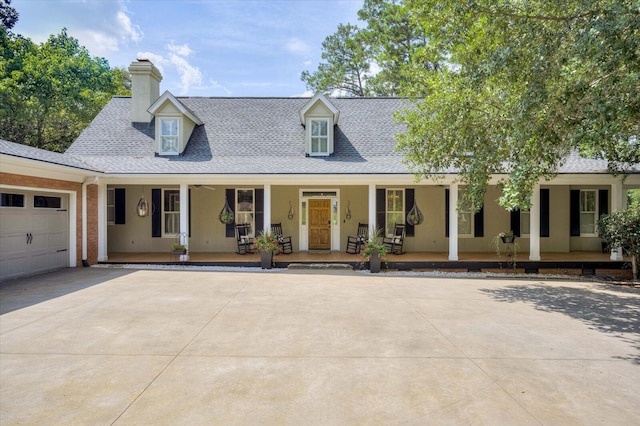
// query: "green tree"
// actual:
[[52, 91], [622, 229], [8, 15], [370, 61], [525, 84], [393, 41], [347, 64]]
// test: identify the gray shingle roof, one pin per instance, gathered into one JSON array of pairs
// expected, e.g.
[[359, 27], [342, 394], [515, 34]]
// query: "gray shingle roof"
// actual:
[[29, 152], [248, 135], [253, 136]]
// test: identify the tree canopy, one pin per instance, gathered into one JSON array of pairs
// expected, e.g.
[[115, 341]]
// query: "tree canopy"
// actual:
[[369, 61], [51, 91], [499, 87], [525, 84]]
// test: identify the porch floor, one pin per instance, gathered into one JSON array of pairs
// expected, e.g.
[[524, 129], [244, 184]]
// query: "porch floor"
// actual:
[[577, 263]]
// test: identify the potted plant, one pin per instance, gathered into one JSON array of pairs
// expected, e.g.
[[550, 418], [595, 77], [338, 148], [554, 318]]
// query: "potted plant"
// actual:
[[267, 244], [178, 249], [226, 217], [373, 250], [509, 239]]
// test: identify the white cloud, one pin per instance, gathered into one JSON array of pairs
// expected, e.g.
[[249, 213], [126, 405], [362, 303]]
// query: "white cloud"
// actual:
[[307, 63], [305, 94], [127, 30], [297, 46], [158, 60], [181, 50], [105, 27], [190, 76], [215, 85]]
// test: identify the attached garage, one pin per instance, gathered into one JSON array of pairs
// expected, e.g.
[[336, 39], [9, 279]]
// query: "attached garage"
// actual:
[[34, 236]]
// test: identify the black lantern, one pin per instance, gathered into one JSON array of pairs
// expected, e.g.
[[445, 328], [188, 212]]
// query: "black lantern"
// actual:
[[142, 209]]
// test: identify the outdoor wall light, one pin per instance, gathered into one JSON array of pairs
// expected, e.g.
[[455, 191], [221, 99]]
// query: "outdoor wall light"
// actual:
[[347, 213], [142, 209], [290, 214]]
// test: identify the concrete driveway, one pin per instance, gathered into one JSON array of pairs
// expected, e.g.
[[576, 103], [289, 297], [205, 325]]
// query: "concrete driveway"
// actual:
[[115, 346]]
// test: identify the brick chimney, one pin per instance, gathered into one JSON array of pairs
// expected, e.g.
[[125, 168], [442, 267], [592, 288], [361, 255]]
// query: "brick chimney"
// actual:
[[145, 89]]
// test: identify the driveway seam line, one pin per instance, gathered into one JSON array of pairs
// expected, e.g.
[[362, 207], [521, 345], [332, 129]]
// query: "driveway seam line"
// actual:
[[171, 361]]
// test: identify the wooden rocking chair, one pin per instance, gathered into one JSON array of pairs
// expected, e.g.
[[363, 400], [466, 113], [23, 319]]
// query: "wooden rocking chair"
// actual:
[[286, 246], [396, 241], [243, 238], [354, 243]]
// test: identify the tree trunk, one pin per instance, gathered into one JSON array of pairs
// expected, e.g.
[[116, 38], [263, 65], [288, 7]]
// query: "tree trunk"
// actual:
[[634, 267]]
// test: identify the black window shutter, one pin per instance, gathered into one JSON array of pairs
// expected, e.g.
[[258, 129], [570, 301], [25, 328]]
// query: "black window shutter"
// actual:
[[603, 202], [574, 212], [189, 212], [515, 222], [381, 211], [446, 213], [544, 213], [120, 210], [478, 223], [230, 194], [259, 207], [409, 199], [156, 212]]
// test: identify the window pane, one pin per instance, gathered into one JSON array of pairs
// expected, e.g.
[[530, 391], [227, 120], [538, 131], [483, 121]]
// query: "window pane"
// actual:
[[587, 223], [169, 144], [12, 200], [303, 213], [464, 223], [393, 218], [171, 223], [41, 201], [588, 201], [245, 200], [525, 226], [169, 127], [319, 128]]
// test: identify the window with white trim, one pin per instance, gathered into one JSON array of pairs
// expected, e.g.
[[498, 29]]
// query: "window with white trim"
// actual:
[[245, 207], [588, 212], [111, 206], [319, 137], [525, 223], [170, 212], [394, 210], [169, 136]]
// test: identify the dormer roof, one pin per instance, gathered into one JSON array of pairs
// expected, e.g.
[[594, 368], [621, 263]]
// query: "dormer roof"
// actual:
[[168, 97], [319, 97]]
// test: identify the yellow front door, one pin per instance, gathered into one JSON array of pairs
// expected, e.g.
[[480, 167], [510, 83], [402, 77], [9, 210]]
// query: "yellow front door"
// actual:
[[319, 224]]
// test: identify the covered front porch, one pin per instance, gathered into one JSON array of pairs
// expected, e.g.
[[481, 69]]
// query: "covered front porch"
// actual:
[[573, 263]]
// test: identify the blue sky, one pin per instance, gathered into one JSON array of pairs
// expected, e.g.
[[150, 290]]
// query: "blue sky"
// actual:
[[205, 47]]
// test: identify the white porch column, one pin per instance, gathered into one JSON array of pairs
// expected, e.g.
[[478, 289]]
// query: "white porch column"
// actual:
[[453, 221], [616, 205], [372, 207], [534, 224], [102, 222], [267, 208], [184, 214]]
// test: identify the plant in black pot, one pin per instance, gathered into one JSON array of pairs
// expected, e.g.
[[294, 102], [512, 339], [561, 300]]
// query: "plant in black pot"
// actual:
[[373, 250], [267, 244]]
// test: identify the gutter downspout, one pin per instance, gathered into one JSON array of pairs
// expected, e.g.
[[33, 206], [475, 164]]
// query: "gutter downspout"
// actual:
[[87, 181]]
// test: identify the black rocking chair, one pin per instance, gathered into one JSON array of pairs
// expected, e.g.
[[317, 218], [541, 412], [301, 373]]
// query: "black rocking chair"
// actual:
[[286, 246], [396, 241], [243, 238], [354, 243]]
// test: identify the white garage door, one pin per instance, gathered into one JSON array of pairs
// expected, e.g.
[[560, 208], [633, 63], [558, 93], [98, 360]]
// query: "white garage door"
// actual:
[[34, 232]]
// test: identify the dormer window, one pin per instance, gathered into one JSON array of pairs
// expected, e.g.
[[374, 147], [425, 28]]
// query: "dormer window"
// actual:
[[174, 124], [319, 137], [169, 144], [319, 116]]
